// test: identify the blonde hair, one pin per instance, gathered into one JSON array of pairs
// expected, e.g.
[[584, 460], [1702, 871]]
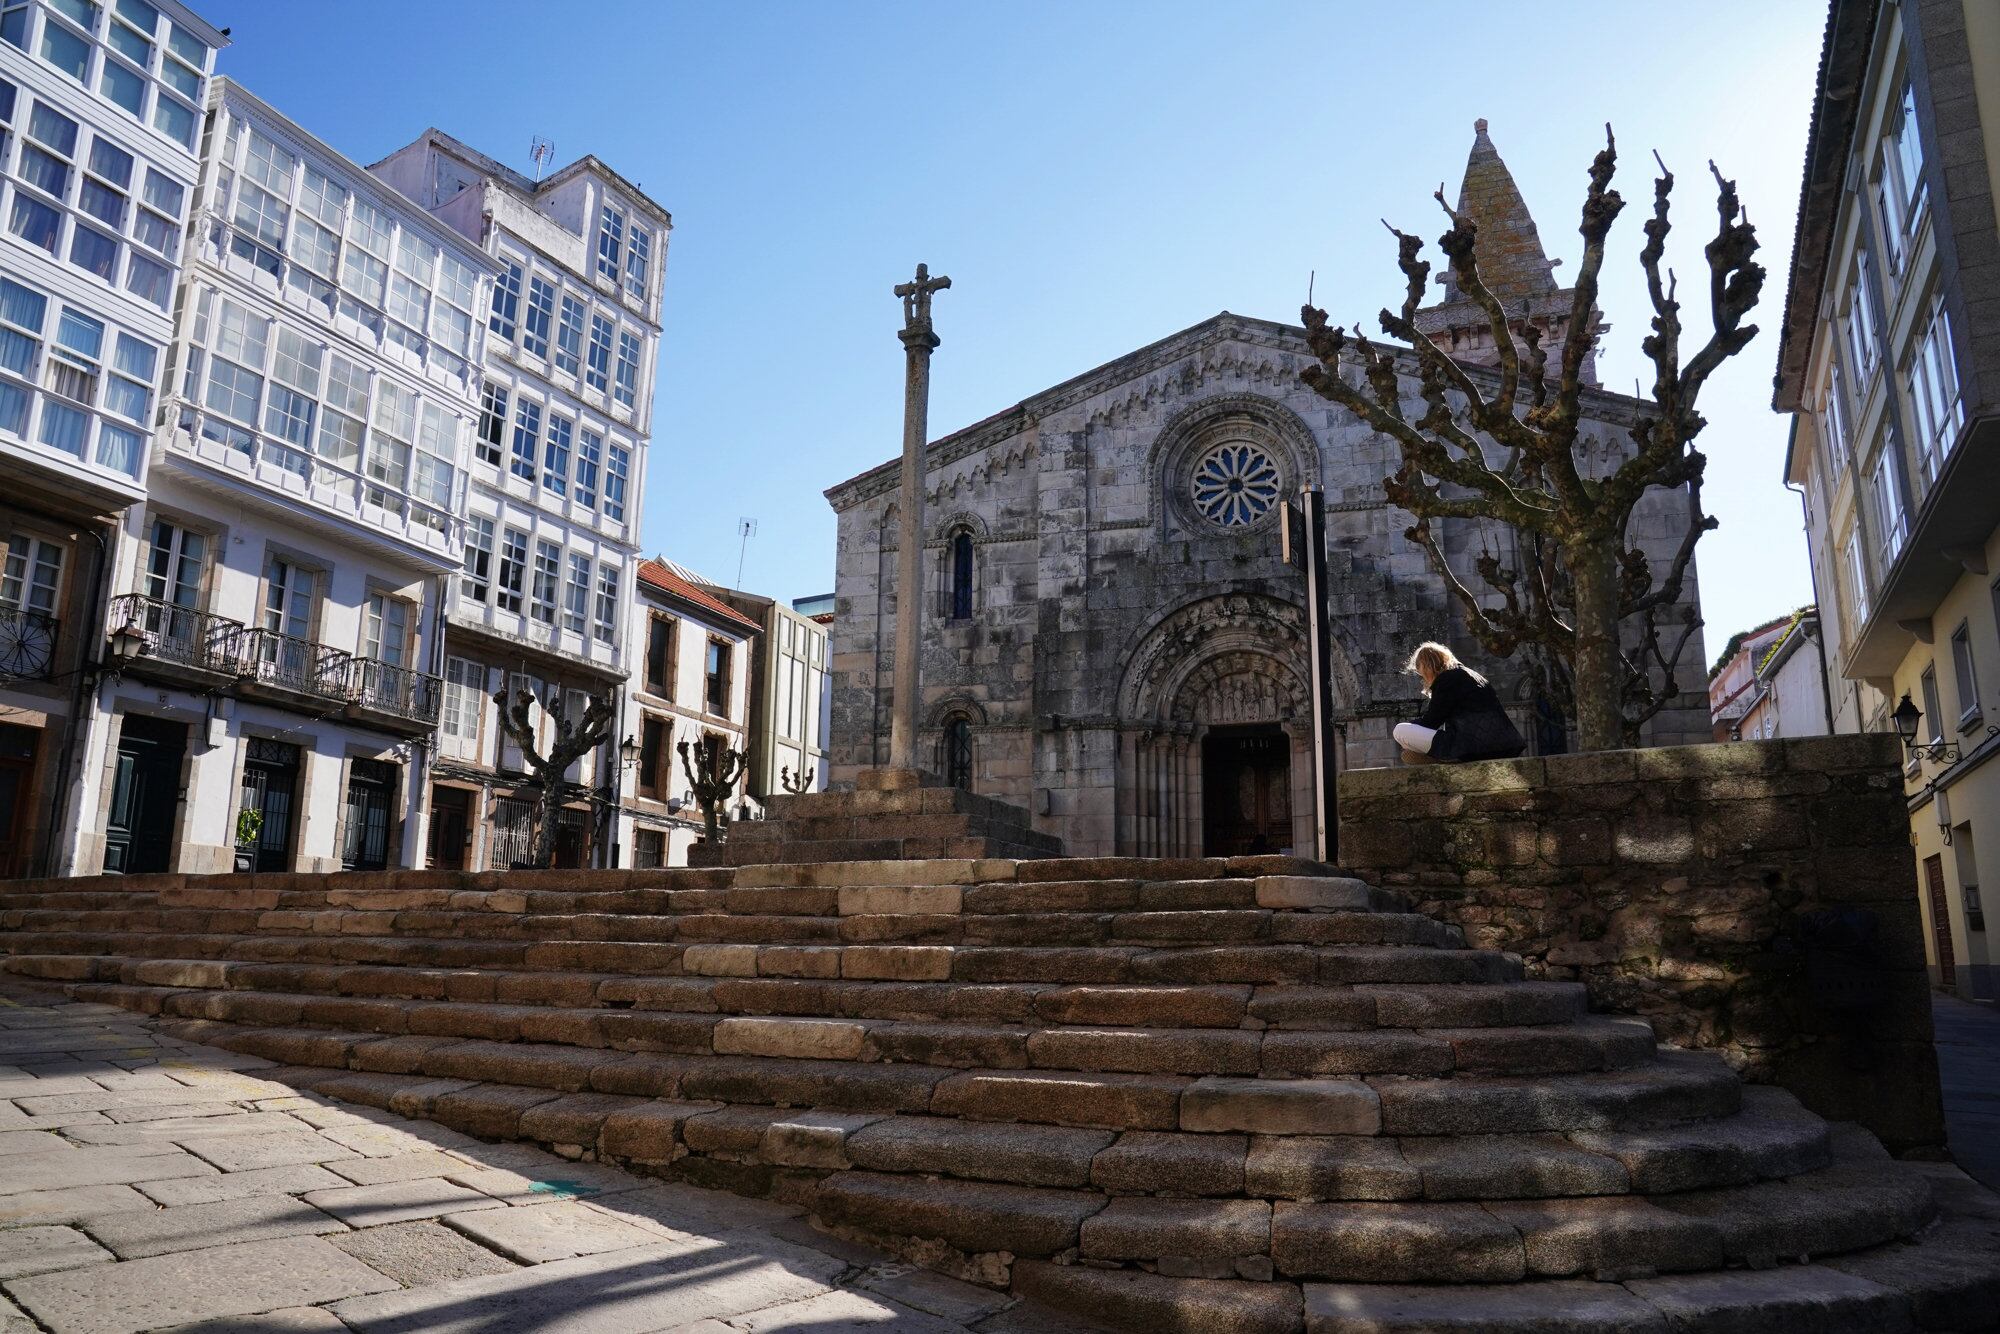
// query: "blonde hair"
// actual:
[[1431, 659]]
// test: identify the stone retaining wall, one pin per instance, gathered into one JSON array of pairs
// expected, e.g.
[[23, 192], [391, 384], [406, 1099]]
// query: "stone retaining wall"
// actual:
[[1673, 883]]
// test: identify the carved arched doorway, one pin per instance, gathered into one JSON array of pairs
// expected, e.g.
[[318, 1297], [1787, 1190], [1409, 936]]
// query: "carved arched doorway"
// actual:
[[1214, 732]]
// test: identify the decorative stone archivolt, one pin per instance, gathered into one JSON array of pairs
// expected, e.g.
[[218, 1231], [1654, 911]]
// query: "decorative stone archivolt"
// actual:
[[1231, 658], [1223, 463], [960, 521], [956, 705]]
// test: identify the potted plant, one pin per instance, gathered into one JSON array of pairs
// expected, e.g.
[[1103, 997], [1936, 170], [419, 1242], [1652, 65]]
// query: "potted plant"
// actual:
[[249, 824]]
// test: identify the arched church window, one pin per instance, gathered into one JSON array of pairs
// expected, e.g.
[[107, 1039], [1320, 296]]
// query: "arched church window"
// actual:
[[956, 748], [1234, 484], [961, 576]]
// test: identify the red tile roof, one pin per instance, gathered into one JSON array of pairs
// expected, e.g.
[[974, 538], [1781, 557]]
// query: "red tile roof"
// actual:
[[659, 576]]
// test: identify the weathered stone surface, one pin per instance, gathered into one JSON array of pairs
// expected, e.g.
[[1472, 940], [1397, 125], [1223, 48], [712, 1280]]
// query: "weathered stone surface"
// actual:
[[1176, 1007], [178, 1289], [1149, 1301], [491, 1111], [1792, 1297], [1330, 1167], [1608, 1238], [542, 1232], [1027, 1155], [1146, 1051], [1395, 1243], [40, 1250], [1165, 1163], [68, 1169], [972, 1216], [199, 1226], [1108, 1101], [1508, 1167], [825, 1039], [397, 1202], [1281, 1106], [649, 1132], [1540, 1308], [1140, 1229], [420, 1253]]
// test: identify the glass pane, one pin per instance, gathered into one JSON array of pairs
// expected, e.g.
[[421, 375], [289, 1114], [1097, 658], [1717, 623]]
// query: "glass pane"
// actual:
[[65, 50], [122, 85]]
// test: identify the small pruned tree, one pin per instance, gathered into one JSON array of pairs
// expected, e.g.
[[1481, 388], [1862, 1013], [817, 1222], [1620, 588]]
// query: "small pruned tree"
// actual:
[[712, 772], [1509, 447], [574, 738]]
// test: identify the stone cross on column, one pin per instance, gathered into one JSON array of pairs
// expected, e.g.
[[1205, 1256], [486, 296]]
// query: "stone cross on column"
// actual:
[[918, 343]]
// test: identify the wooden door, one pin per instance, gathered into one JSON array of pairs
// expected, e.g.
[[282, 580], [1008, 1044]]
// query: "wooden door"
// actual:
[[1246, 792], [17, 795], [270, 787], [1940, 922], [450, 816], [371, 792], [145, 795]]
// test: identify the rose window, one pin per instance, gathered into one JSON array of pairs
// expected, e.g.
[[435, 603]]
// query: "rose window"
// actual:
[[1235, 484]]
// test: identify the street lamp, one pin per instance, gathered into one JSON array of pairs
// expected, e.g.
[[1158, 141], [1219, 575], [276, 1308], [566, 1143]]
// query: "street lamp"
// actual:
[[628, 752], [1907, 719]]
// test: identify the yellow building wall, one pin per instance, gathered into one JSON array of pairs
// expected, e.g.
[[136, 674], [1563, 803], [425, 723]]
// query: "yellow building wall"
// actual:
[[1966, 842]]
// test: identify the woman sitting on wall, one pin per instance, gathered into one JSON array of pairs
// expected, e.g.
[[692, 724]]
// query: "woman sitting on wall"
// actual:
[[1463, 721]]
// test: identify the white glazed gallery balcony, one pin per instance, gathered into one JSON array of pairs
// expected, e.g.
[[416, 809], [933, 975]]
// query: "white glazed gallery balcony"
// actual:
[[220, 455]]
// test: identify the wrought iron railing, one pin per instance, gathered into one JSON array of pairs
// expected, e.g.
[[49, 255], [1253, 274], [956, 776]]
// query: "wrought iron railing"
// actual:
[[27, 644], [181, 635], [378, 685], [296, 664]]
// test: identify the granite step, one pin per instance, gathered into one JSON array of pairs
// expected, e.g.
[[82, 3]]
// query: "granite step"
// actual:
[[1273, 1170], [1584, 1045], [1121, 963], [1666, 1091], [1303, 1009]]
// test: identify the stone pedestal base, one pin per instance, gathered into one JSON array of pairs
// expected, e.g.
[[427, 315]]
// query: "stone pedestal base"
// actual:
[[891, 815]]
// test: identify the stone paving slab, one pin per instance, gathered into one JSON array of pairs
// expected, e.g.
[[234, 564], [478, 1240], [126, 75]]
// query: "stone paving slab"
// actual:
[[190, 1227], [177, 1289], [399, 1201], [147, 1184], [540, 1232], [41, 1250], [632, 1291], [421, 1253]]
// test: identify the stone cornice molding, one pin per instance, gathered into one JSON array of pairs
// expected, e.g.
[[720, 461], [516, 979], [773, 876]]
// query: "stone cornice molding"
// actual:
[[1599, 405]]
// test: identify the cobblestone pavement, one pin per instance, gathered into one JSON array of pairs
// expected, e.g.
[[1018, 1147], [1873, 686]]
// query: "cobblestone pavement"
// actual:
[[1968, 1044], [147, 1183]]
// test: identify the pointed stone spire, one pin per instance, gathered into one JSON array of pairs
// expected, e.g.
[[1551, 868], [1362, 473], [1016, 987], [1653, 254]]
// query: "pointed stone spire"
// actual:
[[1512, 263], [1511, 258]]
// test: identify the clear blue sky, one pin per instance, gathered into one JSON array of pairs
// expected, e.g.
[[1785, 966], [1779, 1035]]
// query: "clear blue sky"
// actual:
[[1092, 175]]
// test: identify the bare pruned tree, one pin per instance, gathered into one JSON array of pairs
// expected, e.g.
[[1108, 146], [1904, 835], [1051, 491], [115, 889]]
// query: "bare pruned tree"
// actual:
[[1513, 452], [574, 738]]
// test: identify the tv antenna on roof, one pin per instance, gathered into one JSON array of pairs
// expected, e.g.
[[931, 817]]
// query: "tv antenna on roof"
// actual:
[[542, 151], [746, 529]]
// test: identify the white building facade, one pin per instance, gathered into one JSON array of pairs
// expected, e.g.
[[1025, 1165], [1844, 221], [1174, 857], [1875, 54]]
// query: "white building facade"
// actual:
[[696, 665], [280, 594], [100, 109], [543, 596]]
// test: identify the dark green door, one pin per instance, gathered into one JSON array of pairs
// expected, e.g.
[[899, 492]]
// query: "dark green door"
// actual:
[[145, 795]]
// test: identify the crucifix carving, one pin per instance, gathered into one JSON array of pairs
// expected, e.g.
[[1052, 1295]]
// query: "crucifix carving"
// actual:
[[916, 296], [918, 343]]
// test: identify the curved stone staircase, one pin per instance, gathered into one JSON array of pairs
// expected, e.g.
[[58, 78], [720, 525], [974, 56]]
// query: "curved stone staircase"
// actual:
[[1172, 1095]]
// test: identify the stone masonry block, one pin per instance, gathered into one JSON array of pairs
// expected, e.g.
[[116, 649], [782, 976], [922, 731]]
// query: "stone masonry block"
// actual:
[[1281, 1106], [824, 1039], [899, 899], [897, 963]]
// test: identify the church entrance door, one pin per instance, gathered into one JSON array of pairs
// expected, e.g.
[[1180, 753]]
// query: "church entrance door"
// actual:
[[1246, 783]]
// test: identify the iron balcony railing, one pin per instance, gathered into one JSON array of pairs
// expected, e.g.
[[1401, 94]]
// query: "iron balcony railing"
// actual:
[[296, 664], [398, 691], [27, 644], [181, 635]]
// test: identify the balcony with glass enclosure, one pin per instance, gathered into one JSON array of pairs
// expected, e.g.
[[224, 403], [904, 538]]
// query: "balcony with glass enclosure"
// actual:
[[328, 367]]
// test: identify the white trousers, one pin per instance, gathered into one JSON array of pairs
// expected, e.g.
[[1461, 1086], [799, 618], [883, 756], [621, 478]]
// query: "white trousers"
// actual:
[[1412, 737]]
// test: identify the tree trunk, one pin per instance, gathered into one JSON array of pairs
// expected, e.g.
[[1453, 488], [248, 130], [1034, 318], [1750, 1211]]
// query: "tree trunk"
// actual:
[[1598, 683], [545, 831]]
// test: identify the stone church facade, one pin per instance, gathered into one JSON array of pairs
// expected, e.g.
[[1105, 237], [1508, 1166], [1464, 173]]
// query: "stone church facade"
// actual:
[[1110, 638]]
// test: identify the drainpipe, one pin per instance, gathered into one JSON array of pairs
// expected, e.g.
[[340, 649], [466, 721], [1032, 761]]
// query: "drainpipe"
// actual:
[[1819, 616], [87, 679]]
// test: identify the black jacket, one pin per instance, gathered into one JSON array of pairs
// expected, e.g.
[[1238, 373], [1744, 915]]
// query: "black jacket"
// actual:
[[1469, 721]]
